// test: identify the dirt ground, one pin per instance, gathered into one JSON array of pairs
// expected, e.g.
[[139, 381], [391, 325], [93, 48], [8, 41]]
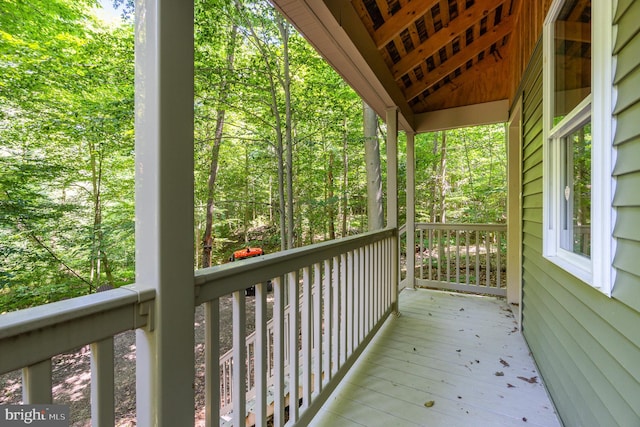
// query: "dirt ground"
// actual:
[[72, 374]]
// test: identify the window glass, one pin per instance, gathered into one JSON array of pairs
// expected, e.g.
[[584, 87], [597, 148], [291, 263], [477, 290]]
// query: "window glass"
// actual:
[[576, 194], [572, 57], [578, 145]]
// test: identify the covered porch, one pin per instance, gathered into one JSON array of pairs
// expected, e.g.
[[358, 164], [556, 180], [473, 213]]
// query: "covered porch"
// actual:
[[449, 359], [368, 352], [364, 352]]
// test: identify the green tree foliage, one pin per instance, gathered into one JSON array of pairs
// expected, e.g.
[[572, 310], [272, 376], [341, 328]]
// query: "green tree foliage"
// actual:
[[475, 179], [282, 130], [66, 182], [324, 114]]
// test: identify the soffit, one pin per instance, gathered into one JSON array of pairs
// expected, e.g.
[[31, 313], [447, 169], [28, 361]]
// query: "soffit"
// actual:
[[419, 55]]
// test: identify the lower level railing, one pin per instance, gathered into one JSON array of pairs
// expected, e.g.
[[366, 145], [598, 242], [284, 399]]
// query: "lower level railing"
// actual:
[[462, 257], [345, 290]]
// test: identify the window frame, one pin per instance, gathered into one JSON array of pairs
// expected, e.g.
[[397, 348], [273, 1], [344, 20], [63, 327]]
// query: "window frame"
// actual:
[[597, 271]]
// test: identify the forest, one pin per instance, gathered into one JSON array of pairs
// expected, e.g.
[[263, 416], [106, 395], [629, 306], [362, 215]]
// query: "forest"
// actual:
[[279, 153]]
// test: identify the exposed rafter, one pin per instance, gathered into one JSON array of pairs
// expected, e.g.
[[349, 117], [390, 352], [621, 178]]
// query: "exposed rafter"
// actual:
[[493, 36], [443, 37], [401, 21]]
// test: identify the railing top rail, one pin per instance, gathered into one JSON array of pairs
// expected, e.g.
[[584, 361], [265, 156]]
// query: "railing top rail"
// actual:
[[34, 318], [38, 333], [460, 226], [215, 282]]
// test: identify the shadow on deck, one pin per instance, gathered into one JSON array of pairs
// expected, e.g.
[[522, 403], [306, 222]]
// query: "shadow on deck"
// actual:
[[448, 360]]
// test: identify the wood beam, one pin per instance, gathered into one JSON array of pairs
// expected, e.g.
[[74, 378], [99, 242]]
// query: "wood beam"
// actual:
[[484, 82], [573, 31], [443, 37], [577, 10], [471, 115], [470, 52], [401, 21], [383, 6]]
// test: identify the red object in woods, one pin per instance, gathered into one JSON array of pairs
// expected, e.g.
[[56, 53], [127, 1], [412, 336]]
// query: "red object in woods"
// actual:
[[247, 253]]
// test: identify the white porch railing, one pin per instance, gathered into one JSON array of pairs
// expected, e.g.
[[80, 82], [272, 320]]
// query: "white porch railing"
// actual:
[[461, 257], [345, 290], [30, 338]]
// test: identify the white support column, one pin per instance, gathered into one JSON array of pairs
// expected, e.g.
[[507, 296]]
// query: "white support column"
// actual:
[[164, 210], [392, 194], [514, 207], [411, 211]]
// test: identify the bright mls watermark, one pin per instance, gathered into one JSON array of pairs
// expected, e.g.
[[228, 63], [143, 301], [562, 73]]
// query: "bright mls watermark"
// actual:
[[34, 415]]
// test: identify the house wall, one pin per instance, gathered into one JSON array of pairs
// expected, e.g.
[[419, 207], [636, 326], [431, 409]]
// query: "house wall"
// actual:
[[627, 142], [587, 345], [524, 38]]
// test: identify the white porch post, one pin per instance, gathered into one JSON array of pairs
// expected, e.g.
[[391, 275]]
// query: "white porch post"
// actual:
[[392, 194], [164, 210], [411, 210], [514, 206]]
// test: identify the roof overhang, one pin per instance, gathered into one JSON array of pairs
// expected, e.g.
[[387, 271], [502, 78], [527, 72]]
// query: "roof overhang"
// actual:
[[335, 31], [341, 34]]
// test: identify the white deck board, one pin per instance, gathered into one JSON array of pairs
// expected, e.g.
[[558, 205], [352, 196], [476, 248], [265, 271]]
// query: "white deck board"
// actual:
[[446, 348]]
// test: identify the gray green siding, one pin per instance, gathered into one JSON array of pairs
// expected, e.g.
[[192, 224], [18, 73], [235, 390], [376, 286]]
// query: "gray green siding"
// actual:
[[587, 345], [627, 141]]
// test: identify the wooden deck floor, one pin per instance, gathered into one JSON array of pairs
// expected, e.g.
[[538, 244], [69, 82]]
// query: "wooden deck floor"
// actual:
[[448, 360]]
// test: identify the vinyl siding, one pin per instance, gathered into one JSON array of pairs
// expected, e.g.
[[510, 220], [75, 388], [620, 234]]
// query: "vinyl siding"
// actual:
[[587, 345], [627, 168]]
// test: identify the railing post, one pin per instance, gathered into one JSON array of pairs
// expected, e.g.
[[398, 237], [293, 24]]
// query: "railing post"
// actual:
[[392, 196], [212, 362], [36, 383], [411, 211], [239, 368], [102, 383], [164, 210]]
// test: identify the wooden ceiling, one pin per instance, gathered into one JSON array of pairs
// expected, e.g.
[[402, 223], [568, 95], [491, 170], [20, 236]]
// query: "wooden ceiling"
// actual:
[[443, 53], [440, 63]]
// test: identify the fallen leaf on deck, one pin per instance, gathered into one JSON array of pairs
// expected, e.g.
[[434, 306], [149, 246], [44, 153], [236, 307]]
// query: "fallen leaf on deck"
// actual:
[[429, 404], [504, 363], [510, 386], [499, 374], [532, 380]]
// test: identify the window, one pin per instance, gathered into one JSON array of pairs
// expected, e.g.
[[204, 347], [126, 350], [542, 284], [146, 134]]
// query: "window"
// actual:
[[578, 125]]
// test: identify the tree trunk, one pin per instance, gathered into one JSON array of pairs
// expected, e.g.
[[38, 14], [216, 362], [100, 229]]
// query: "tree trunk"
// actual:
[[443, 178], [375, 208], [434, 182], [281, 198], [345, 180], [286, 83], [207, 239], [442, 194], [246, 207], [331, 214], [94, 275], [98, 255]]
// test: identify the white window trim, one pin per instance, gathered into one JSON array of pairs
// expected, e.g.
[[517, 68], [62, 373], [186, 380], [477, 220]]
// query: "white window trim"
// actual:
[[597, 271]]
